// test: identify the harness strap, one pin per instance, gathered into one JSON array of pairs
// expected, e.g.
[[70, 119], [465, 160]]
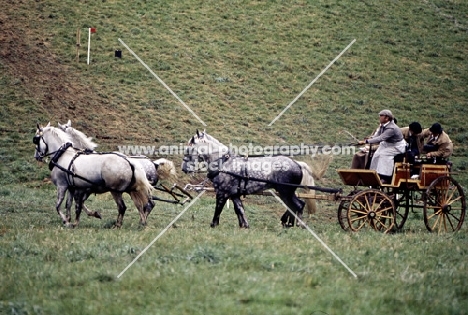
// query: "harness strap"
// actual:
[[240, 190], [54, 163], [58, 154], [318, 188]]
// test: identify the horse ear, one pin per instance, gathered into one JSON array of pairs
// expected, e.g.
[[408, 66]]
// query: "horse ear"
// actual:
[[48, 125], [198, 133], [69, 123], [39, 126], [192, 140]]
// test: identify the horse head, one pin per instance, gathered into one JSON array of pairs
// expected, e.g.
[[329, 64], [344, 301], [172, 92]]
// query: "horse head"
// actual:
[[65, 126], [201, 151], [48, 140]]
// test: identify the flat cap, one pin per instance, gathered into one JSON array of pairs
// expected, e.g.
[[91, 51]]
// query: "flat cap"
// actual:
[[436, 128], [386, 112]]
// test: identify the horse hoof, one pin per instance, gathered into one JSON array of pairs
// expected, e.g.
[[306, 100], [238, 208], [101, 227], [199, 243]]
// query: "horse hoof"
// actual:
[[97, 215]]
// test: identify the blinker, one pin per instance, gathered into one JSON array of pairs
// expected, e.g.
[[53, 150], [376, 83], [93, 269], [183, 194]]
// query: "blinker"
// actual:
[[36, 140]]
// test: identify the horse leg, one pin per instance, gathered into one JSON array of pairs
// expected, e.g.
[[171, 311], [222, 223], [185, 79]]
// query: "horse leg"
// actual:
[[295, 204], [69, 203], [90, 213], [220, 202], [79, 200], [120, 206], [148, 207], [61, 191], [239, 209], [144, 212]]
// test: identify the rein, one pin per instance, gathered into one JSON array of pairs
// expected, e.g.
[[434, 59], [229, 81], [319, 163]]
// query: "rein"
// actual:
[[246, 177], [322, 189], [212, 173]]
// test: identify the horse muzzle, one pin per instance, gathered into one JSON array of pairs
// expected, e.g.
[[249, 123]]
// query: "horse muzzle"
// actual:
[[39, 157]]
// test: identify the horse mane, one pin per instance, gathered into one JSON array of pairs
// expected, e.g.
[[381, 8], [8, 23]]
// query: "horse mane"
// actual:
[[58, 133], [211, 138], [80, 140]]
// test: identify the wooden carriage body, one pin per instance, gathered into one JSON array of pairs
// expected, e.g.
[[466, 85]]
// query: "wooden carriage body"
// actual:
[[385, 207]]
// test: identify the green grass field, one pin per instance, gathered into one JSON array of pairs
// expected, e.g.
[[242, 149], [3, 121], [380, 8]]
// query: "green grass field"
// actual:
[[237, 65]]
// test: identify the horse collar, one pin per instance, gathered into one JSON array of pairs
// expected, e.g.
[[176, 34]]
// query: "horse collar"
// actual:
[[58, 154], [212, 171]]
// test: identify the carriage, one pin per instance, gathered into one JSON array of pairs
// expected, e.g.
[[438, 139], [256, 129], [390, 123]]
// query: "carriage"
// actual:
[[385, 207]]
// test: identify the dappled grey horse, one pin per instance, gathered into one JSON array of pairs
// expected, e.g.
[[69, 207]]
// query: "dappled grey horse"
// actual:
[[154, 169], [91, 173], [235, 176]]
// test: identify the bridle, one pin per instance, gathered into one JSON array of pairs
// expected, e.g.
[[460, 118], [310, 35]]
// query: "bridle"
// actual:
[[37, 141]]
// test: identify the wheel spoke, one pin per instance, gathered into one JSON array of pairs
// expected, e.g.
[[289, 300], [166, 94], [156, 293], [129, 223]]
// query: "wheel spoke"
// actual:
[[363, 220], [444, 222], [386, 216], [382, 224], [447, 218], [435, 223], [354, 210], [361, 204], [384, 209], [437, 213], [374, 200], [454, 200], [454, 190]]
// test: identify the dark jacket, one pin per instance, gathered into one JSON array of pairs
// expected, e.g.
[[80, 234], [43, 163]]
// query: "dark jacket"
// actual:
[[419, 139]]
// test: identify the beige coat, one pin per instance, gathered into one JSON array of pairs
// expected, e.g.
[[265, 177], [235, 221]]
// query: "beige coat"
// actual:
[[445, 144]]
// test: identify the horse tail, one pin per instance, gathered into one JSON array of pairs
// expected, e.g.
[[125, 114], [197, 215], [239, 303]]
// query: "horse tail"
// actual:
[[320, 165], [308, 180], [165, 169], [142, 189]]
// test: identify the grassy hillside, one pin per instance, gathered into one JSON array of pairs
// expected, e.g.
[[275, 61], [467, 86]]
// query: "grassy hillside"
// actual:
[[237, 65]]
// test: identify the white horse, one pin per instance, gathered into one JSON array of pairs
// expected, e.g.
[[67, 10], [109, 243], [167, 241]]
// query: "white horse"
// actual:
[[155, 170], [86, 173]]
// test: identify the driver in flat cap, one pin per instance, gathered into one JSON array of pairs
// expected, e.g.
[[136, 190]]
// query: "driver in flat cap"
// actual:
[[391, 143]]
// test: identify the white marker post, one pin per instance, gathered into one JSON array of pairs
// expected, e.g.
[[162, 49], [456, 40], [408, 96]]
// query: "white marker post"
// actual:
[[90, 30]]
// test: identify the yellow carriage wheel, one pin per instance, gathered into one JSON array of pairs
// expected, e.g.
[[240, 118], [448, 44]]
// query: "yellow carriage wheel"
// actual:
[[371, 208], [444, 205], [343, 211]]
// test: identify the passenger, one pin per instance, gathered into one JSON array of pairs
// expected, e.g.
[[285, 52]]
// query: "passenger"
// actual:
[[439, 144], [391, 143], [414, 139]]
